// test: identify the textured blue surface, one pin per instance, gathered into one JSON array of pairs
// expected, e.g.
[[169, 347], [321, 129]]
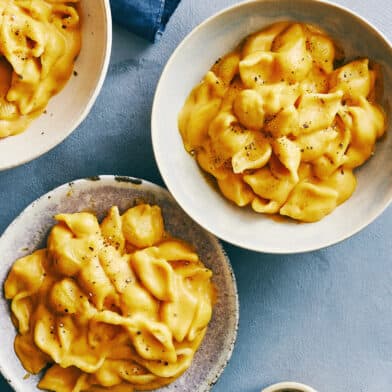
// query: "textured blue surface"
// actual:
[[323, 318]]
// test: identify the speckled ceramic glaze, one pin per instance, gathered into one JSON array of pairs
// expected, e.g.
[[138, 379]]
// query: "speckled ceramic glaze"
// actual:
[[29, 230], [70, 106], [242, 226]]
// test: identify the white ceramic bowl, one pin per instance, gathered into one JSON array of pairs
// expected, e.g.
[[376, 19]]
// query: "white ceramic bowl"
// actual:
[[186, 67], [289, 386], [68, 109], [29, 230]]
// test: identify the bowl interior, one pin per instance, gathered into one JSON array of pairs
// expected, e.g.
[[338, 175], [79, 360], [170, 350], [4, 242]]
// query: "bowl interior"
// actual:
[[67, 109], [29, 230], [242, 227]]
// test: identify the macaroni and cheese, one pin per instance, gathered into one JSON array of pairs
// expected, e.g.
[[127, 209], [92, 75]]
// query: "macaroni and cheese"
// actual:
[[118, 306], [39, 41], [280, 126]]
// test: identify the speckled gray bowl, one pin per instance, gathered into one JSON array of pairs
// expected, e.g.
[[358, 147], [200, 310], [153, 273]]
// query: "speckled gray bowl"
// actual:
[[29, 230]]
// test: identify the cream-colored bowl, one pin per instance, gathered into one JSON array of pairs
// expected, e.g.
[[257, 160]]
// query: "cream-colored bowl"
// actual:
[[241, 226], [68, 109], [289, 386]]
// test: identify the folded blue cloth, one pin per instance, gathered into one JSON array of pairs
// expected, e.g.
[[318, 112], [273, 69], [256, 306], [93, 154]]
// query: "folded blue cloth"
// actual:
[[146, 18]]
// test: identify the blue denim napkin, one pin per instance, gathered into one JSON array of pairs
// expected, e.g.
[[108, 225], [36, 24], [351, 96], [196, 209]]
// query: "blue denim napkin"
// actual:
[[146, 18]]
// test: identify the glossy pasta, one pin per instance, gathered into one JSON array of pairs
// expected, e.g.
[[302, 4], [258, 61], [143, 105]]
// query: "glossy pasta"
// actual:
[[117, 306], [280, 127], [39, 41]]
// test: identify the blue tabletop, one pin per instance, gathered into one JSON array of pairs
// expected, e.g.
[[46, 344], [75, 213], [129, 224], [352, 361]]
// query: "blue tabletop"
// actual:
[[322, 318]]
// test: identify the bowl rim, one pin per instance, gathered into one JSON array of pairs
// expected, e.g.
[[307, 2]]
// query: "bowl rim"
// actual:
[[129, 182], [95, 92], [172, 188], [292, 385]]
